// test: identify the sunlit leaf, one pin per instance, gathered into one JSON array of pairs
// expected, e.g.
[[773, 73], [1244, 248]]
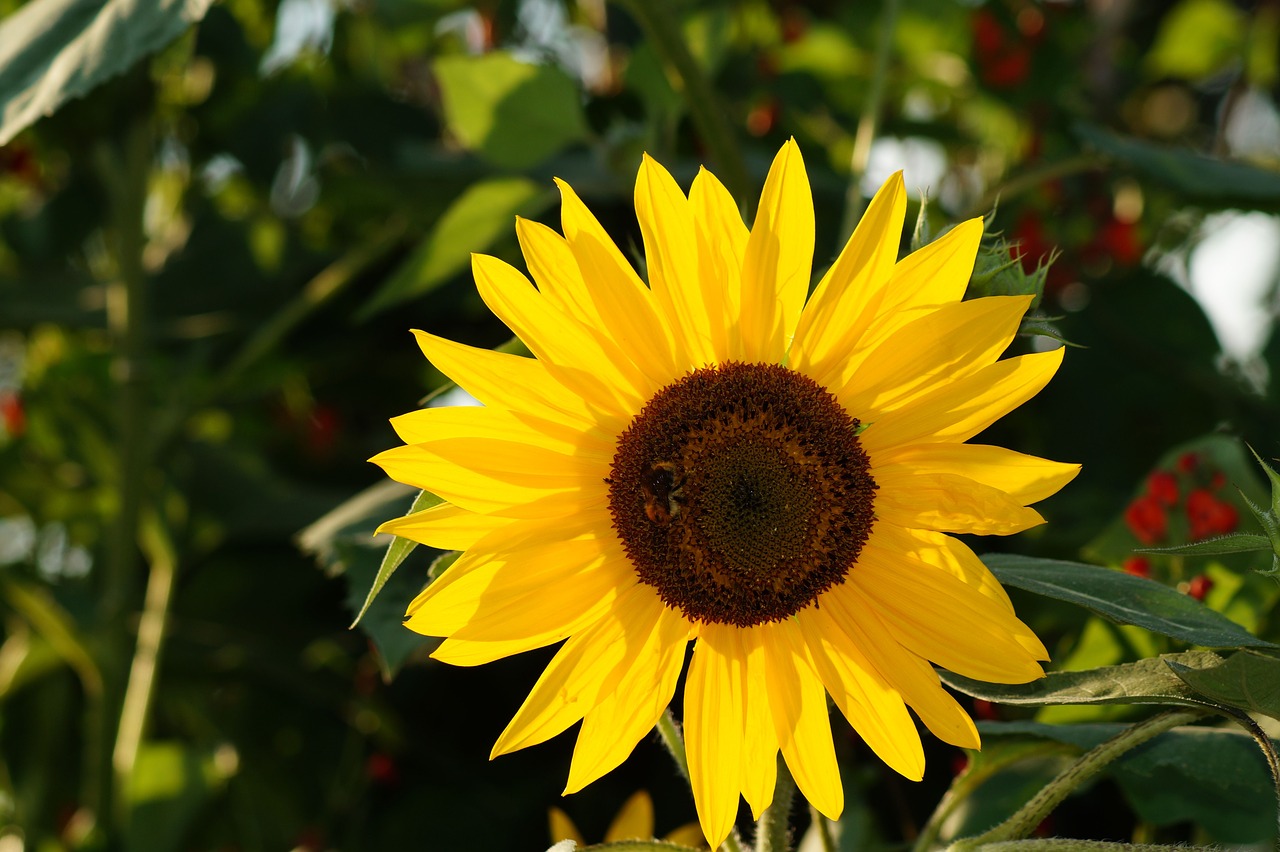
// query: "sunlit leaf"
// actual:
[[483, 213], [1149, 681], [54, 50], [514, 113], [1123, 598]]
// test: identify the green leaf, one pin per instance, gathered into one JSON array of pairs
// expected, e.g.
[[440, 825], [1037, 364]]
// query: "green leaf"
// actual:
[[1196, 39], [396, 552], [513, 113], [1248, 681], [343, 542], [171, 783], [1233, 543], [1149, 681], [1200, 177], [1210, 776], [483, 213], [54, 50], [1123, 598]]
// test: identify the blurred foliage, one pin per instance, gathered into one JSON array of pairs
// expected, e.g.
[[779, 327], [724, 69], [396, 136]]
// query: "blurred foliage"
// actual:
[[211, 253]]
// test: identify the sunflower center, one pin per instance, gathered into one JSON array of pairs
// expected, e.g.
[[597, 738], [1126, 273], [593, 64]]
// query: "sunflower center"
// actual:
[[741, 493]]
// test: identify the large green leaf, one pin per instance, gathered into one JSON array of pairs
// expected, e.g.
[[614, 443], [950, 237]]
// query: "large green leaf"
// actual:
[[1149, 681], [1248, 681], [1123, 598], [343, 542], [514, 113], [54, 50], [474, 221], [1210, 776], [1203, 178]]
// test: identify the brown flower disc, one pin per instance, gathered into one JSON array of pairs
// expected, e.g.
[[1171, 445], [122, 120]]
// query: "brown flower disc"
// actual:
[[741, 492]]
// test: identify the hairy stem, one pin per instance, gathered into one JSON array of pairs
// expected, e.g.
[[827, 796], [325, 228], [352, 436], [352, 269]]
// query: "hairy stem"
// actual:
[[1030, 815], [772, 833]]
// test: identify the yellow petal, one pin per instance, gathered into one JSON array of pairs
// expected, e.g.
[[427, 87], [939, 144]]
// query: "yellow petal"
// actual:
[[910, 675], [485, 475], [962, 409], [634, 820], [624, 304], [798, 703], [945, 552], [587, 667], [919, 284], [555, 270], [944, 502], [778, 260], [1027, 479], [562, 828], [507, 598], [427, 425], [569, 352], [713, 721], [873, 705], [844, 302], [759, 742], [671, 252], [687, 835], [944, 346], [613, 727], [722, 244], [445, 526], [501, 380], [941, 618]]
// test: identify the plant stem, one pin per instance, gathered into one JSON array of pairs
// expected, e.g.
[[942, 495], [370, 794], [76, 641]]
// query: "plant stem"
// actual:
[[771, 830], [125, 177], [655, 17], [142, 672], [869, 121], [128, 318], [1030, 815], [823, 827], [673, 739]]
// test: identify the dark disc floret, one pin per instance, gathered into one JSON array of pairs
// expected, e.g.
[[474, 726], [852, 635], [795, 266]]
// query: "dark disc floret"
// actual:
[[741, 493]]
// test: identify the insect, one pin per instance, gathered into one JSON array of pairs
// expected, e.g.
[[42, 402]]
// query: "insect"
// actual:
[[663, 487]]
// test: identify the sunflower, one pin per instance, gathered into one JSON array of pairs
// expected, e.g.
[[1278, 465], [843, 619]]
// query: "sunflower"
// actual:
[[713, 458]]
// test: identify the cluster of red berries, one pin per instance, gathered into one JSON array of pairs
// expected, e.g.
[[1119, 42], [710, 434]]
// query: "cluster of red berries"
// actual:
[[1207, 514]]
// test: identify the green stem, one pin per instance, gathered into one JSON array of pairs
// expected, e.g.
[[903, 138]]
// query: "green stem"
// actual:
[[673, 739], [1030, 815], [965, 784], [869, 121], [128, 319], [125, 177], [772, 829], [656, 19], [142, 672], [823, 826]]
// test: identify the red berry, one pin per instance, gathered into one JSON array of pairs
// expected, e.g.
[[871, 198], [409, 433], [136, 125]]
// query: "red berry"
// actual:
[[1163, 486], [1199, 586], [1138, 566], [1147, 519]]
